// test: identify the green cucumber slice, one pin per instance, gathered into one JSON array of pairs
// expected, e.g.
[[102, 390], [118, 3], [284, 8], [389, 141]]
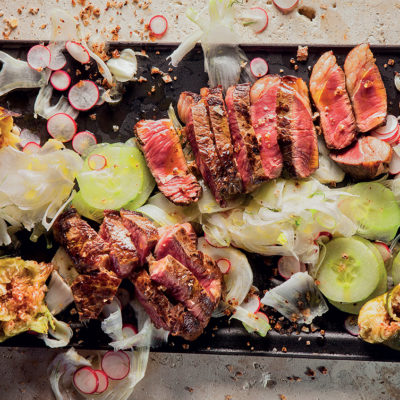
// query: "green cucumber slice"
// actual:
[[374, 209], [350, 271], [396, 269], [85, 210], [124, 181]]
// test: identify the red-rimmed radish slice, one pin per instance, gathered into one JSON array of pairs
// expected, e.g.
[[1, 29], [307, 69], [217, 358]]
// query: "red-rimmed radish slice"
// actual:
[[27, 136], [83, 95], [62, 127], [97, 162], [288, 266], [391, 138], [77, 51], [31, 147], [38, 57], [82, 141], [384, 250], [116, 364], [158, 25], [101, 100], [252, 303], [224, 265], [58, 60], [261, 315], [212, 244], [257, 19], [60, 80], [351, 325], [286, 6], [103, 381], [394, 165], [86, 380], [129, 330], [390, 126], [323, 237], [258, 67]]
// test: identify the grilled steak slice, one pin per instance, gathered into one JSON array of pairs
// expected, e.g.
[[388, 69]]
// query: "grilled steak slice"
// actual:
[[188, 228], [366, 89], [185, 102], [296, 133], [164, 155], [92, 292], [143, 233], [123, 253], [263, 97], [366, 159], [87, 249], [173, 318], [215, 104], [328, 90], [245, 142], [183, 286], [177, 243]]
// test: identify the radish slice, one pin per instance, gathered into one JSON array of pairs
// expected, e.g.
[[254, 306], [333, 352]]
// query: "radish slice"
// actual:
[[286, 6], [252, 303], [60, 80], [384, 250], [397, 81], [391, 137], [394, 165], [62, 127], [389, 127], [103, 381], [323, 237], [31, 148], [158, 25], [86, 380], [214, 245], [58, 60], [77, 51], [116, 364], [129, 330], [38, 57], [97, 162], [261, 315], [257, 18], [351, 325], [258, 67], [224, 265], [82, 141], [288, 266], [27, 136], [101, 99], [83, 95]]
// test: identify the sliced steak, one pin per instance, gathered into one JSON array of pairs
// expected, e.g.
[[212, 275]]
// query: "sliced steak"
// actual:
[[366, 89], [123, 253], [183, 286], [296, 133], [245, 142], [143, 233], [92, 292], [328, 90], [87, 249], [263, 97], [186, 100], [164, 155], [216, 109], [176, 242], [173, 318], [366, 159], [188, 228]]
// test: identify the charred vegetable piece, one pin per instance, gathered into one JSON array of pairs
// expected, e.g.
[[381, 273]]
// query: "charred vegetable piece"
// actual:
[[366, 89]]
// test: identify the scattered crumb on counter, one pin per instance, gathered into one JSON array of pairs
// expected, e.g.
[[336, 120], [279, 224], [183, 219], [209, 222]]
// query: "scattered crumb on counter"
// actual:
[[302, 53]]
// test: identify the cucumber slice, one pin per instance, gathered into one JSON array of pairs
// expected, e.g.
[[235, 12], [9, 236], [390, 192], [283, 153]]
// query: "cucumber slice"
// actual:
[[124, 181], [396, 269], [85, 210], [374, 209], [350, 271]]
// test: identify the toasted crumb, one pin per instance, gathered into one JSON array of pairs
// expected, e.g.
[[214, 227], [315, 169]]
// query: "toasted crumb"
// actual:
[[93, 117], [43, 26], [284, 349], [282, 397], [323, 370], [185, 346], [155, 70], [228, 397], [189, 389], [302, 53], [309, 372], [13, 23], [33, 11], [167, 78]]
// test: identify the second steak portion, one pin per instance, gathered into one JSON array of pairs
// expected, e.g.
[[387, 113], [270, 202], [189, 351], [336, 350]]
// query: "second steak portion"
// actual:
[[245, 143], [296, 133], [164, 155], [328, 89]]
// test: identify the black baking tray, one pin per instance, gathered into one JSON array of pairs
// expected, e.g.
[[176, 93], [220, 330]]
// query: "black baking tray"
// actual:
[[151, 99]]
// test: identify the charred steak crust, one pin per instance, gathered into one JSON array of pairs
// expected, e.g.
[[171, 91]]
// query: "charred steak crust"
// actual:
[[173, 318], [143, 233], [296, 133], [183, 286], [178, 243], [214, 101], [164, 155], [328, 90], [123, 253], [245, 143], [186, 100]]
